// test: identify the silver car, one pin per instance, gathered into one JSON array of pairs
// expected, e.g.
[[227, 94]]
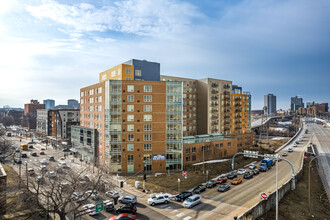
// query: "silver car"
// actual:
[[192, 201], [128, 199]]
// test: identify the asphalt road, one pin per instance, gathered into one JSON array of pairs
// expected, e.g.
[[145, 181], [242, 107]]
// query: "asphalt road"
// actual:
[[214, 205], [322, 141]]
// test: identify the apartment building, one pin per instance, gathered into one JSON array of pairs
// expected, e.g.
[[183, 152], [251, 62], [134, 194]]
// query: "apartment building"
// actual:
[[135, 120], [57, 123], [189, 103]]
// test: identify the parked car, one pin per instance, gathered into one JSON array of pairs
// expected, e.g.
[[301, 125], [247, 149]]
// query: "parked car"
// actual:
[[90, 208], [192, 201], [182, 196], [127, 208], [252, 166], [31, 171], [24, 155], [211, 184], [42, 153], [248, 175], [43, 148], [284, 154], [93, 194], [199, 189], [255, 171], [78, 196], [108, 206], [51, 174], [222, 179], [51, 158], [34, 154], [123, 216], [43, 168], [31, 146], [18, 161], [158, 199], [128, 199], [223, 188], [62, 164], [263, 168], [232, 175], [295, 145], [43, 161], [241, 171], [40, 179], [112, 194], [290, 150], [236, 181]]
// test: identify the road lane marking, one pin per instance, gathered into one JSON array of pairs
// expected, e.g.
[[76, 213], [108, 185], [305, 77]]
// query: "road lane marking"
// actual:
[[187, 218], [174, 211], [180, 214]]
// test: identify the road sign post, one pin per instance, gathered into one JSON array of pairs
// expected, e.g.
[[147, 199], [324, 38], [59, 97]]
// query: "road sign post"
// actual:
[[264, 196], [99, 206]]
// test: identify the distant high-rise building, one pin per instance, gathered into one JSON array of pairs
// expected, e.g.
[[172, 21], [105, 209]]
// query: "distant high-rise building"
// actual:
[[270, 104], [49, 103], [296, 103], [73, 103]]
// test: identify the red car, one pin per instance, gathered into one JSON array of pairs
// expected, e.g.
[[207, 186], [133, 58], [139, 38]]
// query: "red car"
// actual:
[[222, 179], [123, 216]]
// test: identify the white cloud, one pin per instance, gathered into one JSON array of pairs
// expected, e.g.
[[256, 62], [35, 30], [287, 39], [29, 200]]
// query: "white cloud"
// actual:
[[141, 17]]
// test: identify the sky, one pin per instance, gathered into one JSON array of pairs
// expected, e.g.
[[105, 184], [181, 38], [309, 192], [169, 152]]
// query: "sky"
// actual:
[[49, 49]]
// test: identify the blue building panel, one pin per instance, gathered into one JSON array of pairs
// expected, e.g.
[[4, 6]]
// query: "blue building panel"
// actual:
[[150, 71]]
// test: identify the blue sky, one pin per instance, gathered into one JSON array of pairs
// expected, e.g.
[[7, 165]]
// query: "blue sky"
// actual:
[[51, 49]]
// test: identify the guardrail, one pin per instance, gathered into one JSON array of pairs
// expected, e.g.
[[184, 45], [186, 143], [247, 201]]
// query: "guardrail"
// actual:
[[263, 206]]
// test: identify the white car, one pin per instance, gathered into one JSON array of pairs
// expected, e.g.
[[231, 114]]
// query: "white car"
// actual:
[[241, 171], [290, 150], [158, 199], [78, 197], [252, 166], [112, 194], [192, 201], [51, 174], [43, 161], [43, 168], [295, 145], [90, 208]]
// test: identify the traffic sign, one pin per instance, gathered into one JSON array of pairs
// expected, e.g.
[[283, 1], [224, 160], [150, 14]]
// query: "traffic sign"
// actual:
[[184, 173], [264, 196], [99, 206]]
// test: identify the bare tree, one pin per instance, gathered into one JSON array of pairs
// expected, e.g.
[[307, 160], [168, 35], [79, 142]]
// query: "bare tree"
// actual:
[[6, 148], [65, 193], [7, 120]]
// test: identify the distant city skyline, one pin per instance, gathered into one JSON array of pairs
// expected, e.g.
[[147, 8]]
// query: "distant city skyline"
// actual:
[[51, 49]]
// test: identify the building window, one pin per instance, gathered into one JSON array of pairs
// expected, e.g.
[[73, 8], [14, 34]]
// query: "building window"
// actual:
[[130, 127], [130, 147], [193, 158], [208, 147], [147, 127], [187, 150], [128, 71], [148, 98], [229, 144], [130, 88], [193, 149], [147, 137], [147, 117], [130, 117], [130, 159], [187, 159], [217, 146], [147, 147], [130, 108], [130, 98], [138, 73], [128, 78], [148, 88], [147, 108], [130, 137]]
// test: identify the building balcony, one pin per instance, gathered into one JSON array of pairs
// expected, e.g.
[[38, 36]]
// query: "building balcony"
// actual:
[[226, 86], [214, 104], [214, 84], [227, 122], [227, 98], [214, 91], [214, 111], [238, 110], [226, 116], [238, 99], [238, 105], [226, 93], [238, 128], [214, 123], [214, 97], [238, 116], [238, 122]]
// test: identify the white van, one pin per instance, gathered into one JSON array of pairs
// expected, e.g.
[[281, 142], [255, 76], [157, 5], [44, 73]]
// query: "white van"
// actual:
[[63, 164]]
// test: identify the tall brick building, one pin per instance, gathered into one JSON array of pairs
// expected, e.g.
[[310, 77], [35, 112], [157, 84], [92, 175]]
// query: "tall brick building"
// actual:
[[135, 120]]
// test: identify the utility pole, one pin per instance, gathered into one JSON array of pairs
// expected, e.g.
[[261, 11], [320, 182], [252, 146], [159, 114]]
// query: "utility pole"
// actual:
[[27, 176], [19, 169], [203, 149]]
